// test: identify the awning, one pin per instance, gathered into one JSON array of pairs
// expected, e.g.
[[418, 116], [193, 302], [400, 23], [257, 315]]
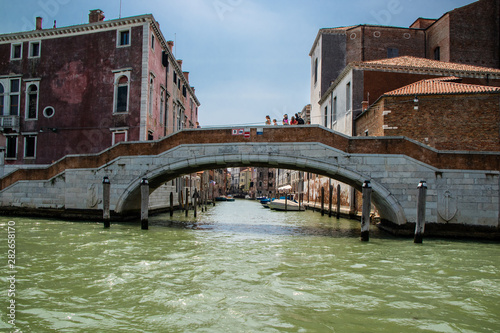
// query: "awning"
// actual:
[[284, 188]]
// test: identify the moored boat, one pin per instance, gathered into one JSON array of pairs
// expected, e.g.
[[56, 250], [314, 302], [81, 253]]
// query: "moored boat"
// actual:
[[289, 205]]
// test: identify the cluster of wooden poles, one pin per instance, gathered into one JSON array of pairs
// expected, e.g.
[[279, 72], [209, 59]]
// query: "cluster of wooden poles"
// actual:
[[365, 215]]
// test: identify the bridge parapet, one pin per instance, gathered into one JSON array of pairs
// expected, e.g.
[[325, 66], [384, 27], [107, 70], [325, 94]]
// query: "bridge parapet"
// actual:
[[463, 187]]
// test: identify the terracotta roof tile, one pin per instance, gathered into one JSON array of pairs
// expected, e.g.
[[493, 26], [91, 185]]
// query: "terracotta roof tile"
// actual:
[[422, 63], [441, 86]]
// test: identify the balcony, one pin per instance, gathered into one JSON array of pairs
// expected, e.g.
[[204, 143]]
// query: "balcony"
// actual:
[[11, 122]]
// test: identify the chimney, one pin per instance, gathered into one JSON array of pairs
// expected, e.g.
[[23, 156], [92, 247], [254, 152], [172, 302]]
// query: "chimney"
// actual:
[[39, 23], [186, 75], [170, 45], [96, 15], [179, 62], [364, 106]]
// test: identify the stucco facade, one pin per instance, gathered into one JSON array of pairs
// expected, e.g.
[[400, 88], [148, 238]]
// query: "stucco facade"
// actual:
[[81, 89]]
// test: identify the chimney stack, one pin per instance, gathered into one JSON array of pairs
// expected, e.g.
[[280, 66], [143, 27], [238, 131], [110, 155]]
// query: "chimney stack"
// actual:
[[186, 75], [170, 45], [96, 15], [39, 23], [364, 106], [179, 62]]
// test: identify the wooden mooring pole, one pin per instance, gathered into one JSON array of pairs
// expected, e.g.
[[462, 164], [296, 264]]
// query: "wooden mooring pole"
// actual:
[[338, 201], [171, 204], [365, 216], [186, 205], [106, 190], [330, 198], [420, 225], [322, 201], [144, 203]]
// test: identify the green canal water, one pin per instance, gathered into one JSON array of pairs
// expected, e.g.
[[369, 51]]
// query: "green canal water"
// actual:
[[239, 267]]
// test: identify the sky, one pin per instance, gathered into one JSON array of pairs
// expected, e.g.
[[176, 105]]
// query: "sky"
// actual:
[[246, 58]]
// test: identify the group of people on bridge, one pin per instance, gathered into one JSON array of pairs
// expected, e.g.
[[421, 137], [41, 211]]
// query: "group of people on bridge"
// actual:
[[295, 120]]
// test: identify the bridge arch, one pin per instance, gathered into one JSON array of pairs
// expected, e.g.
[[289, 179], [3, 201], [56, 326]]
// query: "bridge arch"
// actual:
[[387, 204]]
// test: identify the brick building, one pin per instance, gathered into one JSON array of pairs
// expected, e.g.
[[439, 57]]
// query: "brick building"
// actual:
[[83, 88], [442, 113], [467, 35], [362, 83]]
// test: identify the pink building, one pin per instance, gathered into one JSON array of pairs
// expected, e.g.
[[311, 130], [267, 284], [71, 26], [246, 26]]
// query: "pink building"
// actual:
[[83, 88]]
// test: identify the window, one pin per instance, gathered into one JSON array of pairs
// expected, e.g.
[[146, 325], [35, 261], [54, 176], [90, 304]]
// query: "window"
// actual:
[[437, 53], [16, 51], [392, 52], [122, 91], [315, 70], [153, 42], [150, 136], [119, 135], [348, 97], [151, 95], [184, 91], [123, 38], [32, 102], [11, 146], [30, 146], [326, 116], [14, 97], [48, 112], [34, 51], [334, 110], [162, 104], [2, 92]]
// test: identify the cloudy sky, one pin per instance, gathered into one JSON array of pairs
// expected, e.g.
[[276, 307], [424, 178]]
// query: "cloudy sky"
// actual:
[[246, 58]]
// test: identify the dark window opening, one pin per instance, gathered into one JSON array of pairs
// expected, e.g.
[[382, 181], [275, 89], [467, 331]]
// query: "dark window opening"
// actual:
[[124, 37], [437, 53], [11, 146], [32, 102], [29, 146], [392, 52]]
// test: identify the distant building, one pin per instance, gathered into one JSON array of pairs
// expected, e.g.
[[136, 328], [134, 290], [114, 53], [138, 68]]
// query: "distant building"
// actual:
[[442, 113], [83, 88], [466, 35]]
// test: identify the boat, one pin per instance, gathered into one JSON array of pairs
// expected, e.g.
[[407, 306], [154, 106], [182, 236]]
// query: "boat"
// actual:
[[291, 205], [224, 198], [229, 198]]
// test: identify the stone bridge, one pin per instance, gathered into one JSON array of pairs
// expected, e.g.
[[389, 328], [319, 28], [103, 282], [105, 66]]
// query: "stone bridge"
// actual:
[[463, 187]]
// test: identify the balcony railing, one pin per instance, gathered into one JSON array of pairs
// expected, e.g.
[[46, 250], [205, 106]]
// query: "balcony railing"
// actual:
[[9, 122]]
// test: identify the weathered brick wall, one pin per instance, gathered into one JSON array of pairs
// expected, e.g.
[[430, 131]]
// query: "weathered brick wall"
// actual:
[[438, 35], [366, 43], [475, 34], [469, 122], [372, 121]]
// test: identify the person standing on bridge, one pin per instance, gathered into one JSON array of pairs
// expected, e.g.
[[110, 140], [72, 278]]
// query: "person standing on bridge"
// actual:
[[275, 122], [268, 120], [285, 119], [293, 121]]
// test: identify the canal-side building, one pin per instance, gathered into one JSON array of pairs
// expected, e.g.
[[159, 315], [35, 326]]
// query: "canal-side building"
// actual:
[[466, 35], [83, 88], [361, 83], [442, 113]]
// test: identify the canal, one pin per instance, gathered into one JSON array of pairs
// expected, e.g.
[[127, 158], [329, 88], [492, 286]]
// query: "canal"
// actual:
[[239, 267]]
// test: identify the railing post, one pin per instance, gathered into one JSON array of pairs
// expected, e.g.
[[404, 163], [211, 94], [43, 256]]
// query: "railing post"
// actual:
[[106, 190], [420, 224], [144, 203], [365, 216]]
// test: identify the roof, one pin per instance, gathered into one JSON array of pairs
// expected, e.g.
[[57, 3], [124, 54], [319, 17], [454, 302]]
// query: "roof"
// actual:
[[409, 62], [441, 86], [414, 65]]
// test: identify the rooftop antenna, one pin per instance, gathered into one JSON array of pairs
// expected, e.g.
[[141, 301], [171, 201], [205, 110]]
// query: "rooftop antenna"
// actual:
[[175, 45], [120, 9]]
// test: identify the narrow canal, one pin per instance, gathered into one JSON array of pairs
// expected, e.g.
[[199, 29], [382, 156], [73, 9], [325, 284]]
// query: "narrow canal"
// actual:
[[242, 268]]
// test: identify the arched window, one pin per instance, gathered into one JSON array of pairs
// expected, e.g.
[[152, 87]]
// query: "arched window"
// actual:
[[121, 92], [2, 91], [151, 95], [32, 102]]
